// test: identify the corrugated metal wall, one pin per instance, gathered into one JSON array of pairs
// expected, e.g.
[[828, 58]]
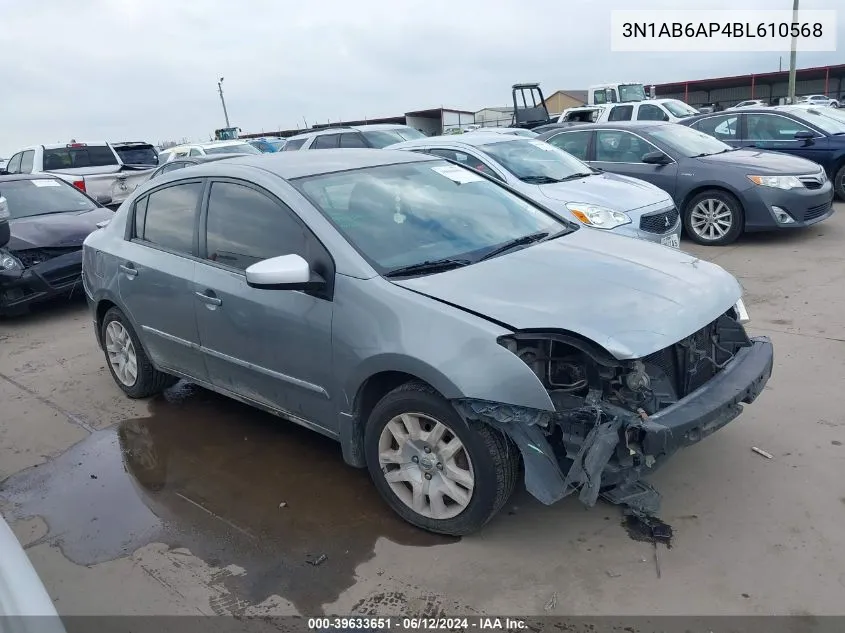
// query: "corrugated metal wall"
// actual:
[[732, 96]]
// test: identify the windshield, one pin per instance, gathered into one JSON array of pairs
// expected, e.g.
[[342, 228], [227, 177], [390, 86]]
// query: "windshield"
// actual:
[[690, 143], [631, 92], [81, 156], [27, 198], [402, 215], [832, 122], [239, 148], [137, 154], [382, 138], [535, 161], [679, 109]]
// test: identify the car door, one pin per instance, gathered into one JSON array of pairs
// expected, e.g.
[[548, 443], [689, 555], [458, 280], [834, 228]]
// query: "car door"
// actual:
[[724, 127], [272, 347], [621, 152], [155, 278], [776, 132]]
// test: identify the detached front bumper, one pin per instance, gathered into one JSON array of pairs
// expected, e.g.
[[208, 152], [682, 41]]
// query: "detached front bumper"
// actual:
[[621, 446], [52, 278]]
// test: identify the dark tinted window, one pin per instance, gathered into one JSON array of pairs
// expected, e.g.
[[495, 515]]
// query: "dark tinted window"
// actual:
[[84, 156], [14, 165], [650, 112], [575, 143], [294, 144], [27, 198], [170, 216], [621, 113], [326, 141], [613, 146], [246, 226], [137, 154], [769, 127], [722, 127], [352, 139], [26, 162]]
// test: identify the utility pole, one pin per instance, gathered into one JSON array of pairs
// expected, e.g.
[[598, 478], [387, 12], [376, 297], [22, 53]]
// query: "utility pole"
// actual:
[[223, 101], [793, 53]]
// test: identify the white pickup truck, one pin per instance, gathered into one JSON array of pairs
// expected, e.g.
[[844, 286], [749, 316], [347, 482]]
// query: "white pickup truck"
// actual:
[[98, 169], [646, 110]]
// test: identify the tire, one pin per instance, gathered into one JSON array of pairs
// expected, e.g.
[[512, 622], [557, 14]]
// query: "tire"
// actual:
[[839, 182], [491, 459], [716, 201], [148, 381]]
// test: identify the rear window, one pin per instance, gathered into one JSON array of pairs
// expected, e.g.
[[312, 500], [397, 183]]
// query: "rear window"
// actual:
[[74, 157], [27, 198], [137, 154]]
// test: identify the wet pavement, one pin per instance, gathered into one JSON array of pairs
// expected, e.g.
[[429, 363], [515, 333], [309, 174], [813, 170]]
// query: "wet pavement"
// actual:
[[227, 482]]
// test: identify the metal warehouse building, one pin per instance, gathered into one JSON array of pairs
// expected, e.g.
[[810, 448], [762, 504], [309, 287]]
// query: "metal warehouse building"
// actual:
[[728, 91]]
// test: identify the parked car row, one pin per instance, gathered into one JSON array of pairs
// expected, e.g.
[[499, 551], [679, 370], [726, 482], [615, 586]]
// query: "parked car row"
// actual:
[[443, 324]]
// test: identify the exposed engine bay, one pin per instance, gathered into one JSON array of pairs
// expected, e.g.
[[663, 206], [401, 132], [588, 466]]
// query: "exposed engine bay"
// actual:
[[602, 435]]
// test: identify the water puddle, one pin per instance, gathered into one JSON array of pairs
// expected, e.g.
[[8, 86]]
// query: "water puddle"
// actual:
[[232, 484]]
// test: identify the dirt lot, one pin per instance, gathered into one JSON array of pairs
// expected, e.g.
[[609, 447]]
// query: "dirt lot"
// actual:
[[194, 504]]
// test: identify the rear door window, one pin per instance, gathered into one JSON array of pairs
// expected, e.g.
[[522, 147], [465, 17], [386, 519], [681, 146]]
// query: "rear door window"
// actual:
[[294, 144], [352, 139], [723, 127], [621, 113], [79, 155], [26, 161], [575, 143], [170, 217], [325, 141]]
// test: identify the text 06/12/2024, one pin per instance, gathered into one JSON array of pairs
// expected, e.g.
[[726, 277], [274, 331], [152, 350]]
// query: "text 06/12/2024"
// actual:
[[725, 31]]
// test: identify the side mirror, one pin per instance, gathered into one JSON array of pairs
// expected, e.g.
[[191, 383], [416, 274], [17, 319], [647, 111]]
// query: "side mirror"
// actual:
[[805, 136], [655, 158], [286, 272], [104, 199], [5, 231]]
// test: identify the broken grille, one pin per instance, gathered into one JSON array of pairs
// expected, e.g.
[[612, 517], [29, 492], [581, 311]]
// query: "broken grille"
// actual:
[[33, 256], [690, 363]]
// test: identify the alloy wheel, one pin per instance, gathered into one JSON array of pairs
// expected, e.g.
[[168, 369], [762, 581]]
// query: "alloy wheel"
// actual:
[[711, 219], [121, 353], [426, 465]]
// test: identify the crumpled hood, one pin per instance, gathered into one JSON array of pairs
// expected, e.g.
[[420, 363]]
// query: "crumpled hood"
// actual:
[[763, 162], [55, 230], [630, 296], [616, 192]]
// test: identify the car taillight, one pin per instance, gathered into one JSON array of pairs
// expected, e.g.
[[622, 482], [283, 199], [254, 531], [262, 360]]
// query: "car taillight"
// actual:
[[79, 184]]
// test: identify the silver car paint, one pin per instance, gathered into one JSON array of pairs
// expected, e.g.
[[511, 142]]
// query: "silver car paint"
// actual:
[[620, 193], [312, 356]]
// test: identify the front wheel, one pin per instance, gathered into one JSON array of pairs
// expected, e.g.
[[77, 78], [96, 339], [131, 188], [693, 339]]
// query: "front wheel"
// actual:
[[839, 182], [433, 469], [713, 218]]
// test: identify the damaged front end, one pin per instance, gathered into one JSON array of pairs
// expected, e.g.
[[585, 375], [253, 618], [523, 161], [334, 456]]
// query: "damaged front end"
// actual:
[[615, 421]]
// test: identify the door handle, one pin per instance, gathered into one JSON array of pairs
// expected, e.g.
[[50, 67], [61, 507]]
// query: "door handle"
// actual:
[[129, 270], [209, 299]]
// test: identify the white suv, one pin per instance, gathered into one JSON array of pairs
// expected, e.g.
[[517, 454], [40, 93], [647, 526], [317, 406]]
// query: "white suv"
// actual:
[[204, 149]]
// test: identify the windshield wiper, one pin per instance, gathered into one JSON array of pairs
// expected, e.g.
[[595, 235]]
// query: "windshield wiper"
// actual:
[[580, 174], [539, 180], [519, 241], [428, 266]]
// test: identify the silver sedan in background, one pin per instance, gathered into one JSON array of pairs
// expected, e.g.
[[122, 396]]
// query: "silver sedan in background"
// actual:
[[564, 184]]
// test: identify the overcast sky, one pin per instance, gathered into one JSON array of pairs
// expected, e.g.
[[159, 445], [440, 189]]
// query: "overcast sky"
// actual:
[[148, 69]]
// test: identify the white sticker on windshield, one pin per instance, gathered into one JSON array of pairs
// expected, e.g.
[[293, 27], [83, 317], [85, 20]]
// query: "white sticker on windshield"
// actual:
[[45, 183], [543, 146], [457, 174]]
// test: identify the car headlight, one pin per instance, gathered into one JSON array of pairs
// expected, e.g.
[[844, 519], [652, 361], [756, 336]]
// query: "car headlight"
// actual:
[[9, 262], [741, 312], [598, 217], [778, 182]]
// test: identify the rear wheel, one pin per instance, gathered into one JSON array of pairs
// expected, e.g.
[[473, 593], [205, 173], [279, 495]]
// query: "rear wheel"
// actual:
[[433, 469], [714, 218], [128, 363]]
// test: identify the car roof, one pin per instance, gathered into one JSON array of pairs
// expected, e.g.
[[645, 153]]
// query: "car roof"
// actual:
[[473, 139], [290, 165], [346, 128], [622, 125], [11, 177], [208, 158]]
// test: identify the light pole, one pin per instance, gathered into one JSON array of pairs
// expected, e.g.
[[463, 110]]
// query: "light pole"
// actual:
[[793, 53], [223, 101]]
